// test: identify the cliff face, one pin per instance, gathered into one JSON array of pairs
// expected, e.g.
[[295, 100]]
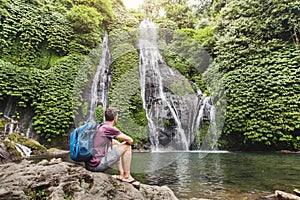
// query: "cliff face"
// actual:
[[57, 180]]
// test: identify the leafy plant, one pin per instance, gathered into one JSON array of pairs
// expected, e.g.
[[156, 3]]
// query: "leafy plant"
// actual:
[[259, 60]]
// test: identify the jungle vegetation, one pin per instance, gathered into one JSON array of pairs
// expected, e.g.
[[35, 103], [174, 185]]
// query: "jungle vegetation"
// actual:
[[254, 45]]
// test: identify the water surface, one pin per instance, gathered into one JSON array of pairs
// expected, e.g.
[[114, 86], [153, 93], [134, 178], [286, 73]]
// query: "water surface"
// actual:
[[219, 175]]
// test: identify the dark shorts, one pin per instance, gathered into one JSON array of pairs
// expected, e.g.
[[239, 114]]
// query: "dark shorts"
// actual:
[[111, 158]]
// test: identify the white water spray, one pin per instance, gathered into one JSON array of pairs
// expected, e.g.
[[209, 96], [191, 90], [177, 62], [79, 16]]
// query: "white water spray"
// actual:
[[173, 119], [101, 81], [151, 75]]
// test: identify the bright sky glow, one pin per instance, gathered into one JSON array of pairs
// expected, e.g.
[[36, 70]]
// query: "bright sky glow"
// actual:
[[132, 4]]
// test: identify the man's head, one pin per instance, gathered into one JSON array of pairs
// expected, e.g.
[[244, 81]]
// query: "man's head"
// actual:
[[111, 114]]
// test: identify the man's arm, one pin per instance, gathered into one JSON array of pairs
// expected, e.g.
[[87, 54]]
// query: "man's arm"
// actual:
[[125, 138]]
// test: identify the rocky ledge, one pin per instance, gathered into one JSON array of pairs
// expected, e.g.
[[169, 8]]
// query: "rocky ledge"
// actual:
[[280, 195], [57, 180]]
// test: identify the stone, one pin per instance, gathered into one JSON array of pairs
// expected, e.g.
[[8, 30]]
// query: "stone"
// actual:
[[297, 192], [7, 154], [285, 195], [280, 195], [58, 180]]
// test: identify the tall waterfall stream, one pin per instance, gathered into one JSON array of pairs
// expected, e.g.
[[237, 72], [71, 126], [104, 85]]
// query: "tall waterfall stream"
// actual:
[[173, 119]]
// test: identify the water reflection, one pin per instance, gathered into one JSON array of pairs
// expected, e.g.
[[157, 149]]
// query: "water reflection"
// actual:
[[220, 175], [151, 162]]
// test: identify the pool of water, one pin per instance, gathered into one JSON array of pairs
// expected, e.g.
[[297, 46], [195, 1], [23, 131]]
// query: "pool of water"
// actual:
[[219, 175]]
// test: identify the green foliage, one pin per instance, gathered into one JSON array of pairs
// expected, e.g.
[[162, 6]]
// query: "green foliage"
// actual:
[[99, 113], [180, 13], [53, 108], [202, 133], [187, 56], [104, 7], [181, 89], [37, 193], [177, 11], [123, 20], [30, 29], [125, 58], [264, 21], [33, 33], [136, 110], [84, 109], [87, 24], [125, 94], [19, 82], [187, 31], [37, 67], [256, 48], [43, 90], [204, 36], [259, 58], [84, 19]]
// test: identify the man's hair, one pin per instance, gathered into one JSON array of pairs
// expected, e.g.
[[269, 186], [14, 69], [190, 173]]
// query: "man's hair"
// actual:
[[110, 113]]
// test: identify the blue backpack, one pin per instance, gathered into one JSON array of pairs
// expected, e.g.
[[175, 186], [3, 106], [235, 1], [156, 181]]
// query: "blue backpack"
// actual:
[[82, 142]]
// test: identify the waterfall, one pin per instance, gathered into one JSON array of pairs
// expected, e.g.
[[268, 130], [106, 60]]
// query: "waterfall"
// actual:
[[23, 150], [175, 108], [11, 126], [10, 106], [151, 75], [101, 80], [30, 134]]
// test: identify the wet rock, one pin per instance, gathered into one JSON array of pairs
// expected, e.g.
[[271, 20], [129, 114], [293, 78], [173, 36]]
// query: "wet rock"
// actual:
[[57, 180], [8, 153], [55, 151], [280, 195], [297, 192]]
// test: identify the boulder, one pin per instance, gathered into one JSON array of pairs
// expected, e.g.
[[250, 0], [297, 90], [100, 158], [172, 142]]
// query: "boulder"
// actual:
[[58, 180], [8, 152], [280, 195]]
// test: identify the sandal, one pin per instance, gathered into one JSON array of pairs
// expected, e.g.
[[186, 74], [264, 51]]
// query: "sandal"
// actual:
[[117, 177], [134, 183]]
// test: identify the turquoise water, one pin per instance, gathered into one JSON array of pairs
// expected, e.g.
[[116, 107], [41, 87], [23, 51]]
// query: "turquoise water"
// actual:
[[219, 175]]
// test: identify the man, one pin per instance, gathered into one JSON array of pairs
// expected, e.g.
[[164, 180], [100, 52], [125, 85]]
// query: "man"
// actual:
[[120, 154]]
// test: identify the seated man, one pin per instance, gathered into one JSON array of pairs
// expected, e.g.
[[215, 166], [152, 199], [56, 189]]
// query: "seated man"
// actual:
[[120, 154]]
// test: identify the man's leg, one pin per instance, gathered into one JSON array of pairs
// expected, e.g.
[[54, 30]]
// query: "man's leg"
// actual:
[[118, 164], [125, 153]]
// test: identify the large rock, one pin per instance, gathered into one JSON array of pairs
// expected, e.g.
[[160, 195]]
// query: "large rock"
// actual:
[[280, 195], [58, 180], [7, 154]]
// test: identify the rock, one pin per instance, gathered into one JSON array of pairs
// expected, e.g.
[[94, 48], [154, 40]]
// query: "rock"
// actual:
[[297, 192], [287, 196], [57, 180], [55, 160], [8, 154], [13, 147], [35, 146], [280, 195], [44, 162], [55, 151]]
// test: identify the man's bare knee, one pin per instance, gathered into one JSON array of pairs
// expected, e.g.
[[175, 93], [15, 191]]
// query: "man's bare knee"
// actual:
[[122, 148], [128, 147], [115, 142]]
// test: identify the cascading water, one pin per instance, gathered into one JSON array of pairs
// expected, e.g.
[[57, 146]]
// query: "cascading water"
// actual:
[[151, 78], [23, 150], [101, 80], [175, 108], [10, 106]]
